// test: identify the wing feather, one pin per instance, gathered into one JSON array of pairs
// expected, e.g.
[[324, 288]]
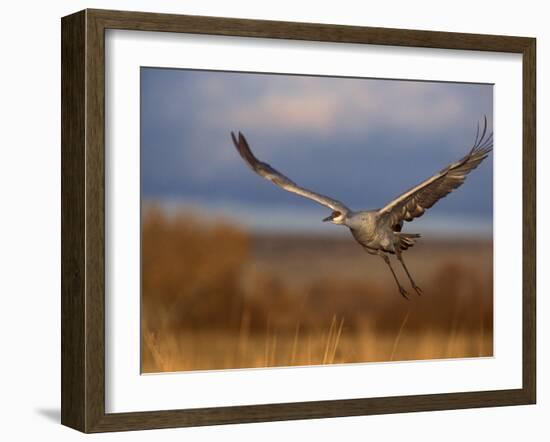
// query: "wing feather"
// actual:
[[414, 202], [277, 178]]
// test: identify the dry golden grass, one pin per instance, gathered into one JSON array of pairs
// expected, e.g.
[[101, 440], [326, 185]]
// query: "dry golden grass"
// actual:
[[216, 297]]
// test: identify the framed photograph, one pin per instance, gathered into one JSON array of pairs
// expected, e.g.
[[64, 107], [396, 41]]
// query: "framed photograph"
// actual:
[[270, 220]]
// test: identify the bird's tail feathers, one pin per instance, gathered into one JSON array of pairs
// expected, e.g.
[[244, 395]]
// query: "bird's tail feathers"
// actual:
[[407, 240]]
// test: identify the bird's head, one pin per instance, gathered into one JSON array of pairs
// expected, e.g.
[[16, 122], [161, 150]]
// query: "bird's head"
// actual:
[[335, 217]]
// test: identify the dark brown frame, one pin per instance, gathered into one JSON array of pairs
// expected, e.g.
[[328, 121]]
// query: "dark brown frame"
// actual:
[[83, 217]]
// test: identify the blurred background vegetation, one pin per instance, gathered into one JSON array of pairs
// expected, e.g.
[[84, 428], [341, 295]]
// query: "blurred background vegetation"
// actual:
[[215, 296]]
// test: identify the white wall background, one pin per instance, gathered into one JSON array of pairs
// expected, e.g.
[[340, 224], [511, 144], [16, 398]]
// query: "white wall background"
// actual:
[[30, 220]]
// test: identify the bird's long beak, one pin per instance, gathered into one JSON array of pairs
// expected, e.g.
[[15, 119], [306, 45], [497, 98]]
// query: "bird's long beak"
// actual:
[[328, 218]]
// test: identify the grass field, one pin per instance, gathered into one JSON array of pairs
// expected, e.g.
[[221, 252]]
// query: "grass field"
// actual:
[[218, 297]]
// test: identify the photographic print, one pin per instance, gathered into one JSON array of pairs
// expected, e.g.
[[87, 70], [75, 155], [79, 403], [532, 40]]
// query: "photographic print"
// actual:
[[294, 220]]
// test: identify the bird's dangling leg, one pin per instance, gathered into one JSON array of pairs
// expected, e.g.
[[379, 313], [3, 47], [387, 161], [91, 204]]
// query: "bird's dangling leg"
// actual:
[[399, 286], [414, 286]]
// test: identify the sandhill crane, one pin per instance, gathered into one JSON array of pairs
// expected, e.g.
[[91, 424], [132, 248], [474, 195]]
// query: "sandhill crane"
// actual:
[[378, 231]]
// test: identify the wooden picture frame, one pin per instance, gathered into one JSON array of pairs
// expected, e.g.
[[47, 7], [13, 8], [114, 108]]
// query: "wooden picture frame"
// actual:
[[83, 220]]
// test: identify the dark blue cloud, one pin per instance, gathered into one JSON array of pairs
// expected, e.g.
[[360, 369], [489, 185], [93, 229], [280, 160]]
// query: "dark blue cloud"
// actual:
[[361, 141]]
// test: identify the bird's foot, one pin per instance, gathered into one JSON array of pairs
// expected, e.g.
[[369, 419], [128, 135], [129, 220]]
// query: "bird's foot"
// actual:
[[404, 293], [418, 290]]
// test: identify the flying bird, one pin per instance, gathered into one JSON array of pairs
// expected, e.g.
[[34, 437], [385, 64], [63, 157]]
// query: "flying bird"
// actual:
[[378, 231]]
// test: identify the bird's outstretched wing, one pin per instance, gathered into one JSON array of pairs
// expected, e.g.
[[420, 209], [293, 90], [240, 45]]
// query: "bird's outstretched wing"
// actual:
[[415, 201], [269, 173]]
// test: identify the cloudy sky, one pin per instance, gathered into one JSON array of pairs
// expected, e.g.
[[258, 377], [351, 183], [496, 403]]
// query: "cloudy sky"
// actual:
[[363, 141]]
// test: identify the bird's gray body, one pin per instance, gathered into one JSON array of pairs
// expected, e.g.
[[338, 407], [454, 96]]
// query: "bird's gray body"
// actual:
[[379, 231], [372, 231], [376, 233]]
